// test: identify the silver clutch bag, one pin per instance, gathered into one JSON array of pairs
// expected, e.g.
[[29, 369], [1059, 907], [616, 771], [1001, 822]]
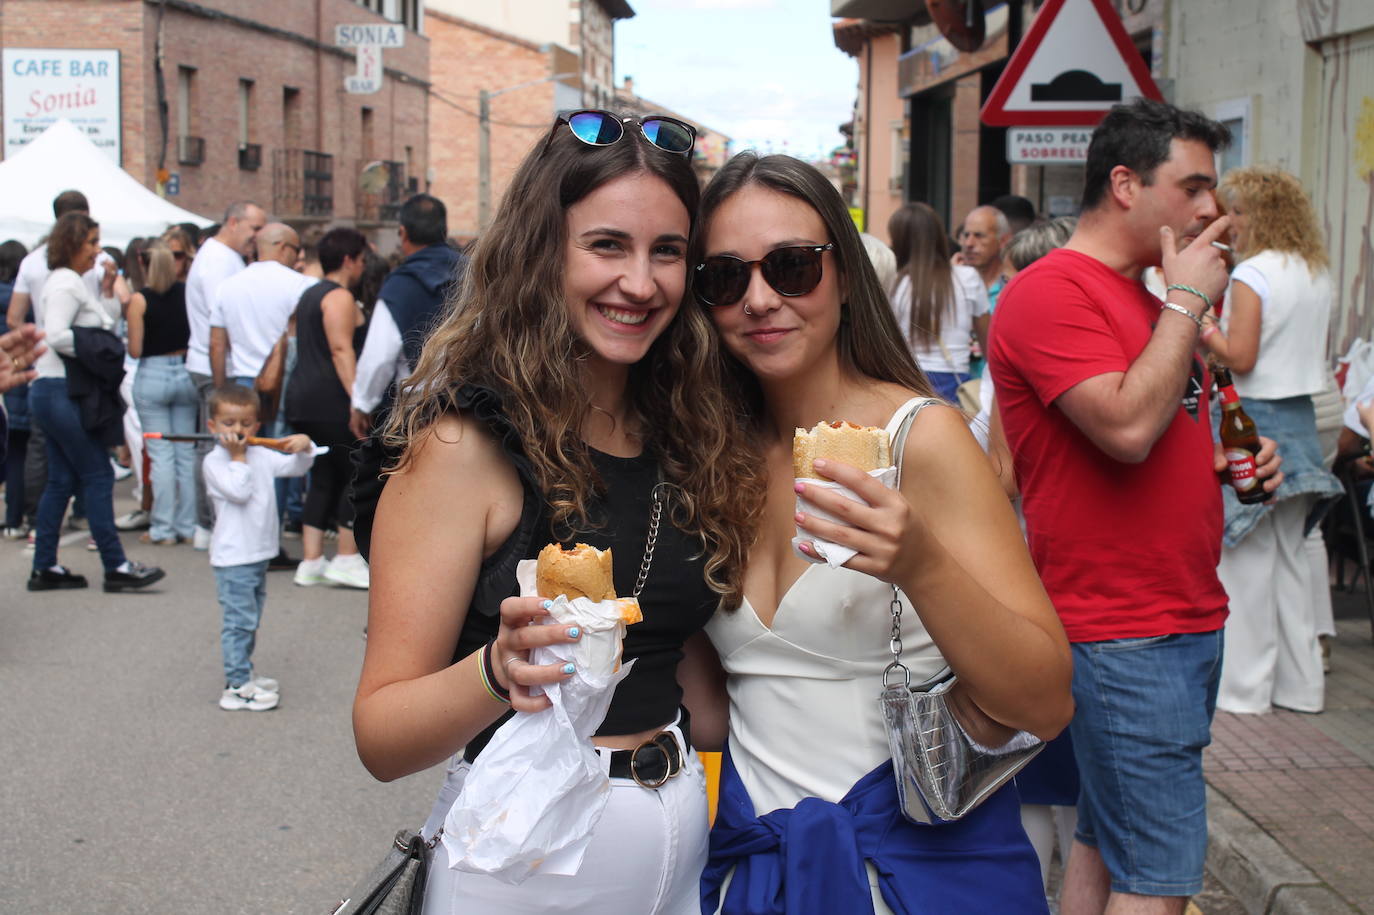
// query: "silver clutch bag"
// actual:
[[942, 773]]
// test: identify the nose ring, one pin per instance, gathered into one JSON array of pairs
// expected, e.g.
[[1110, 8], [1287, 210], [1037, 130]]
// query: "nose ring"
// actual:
[[748, 312]]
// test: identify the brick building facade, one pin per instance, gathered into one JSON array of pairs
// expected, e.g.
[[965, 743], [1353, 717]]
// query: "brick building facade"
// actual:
[[255, 100], [468, 57]]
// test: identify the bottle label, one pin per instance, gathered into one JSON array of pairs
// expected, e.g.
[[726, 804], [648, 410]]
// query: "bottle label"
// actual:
[[1228, 395], [1242, 467]]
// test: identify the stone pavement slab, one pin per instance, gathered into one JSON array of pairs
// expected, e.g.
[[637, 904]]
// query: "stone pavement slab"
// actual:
[[1292, 795]]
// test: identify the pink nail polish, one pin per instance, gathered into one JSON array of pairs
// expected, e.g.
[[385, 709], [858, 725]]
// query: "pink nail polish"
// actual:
[[799, 487]]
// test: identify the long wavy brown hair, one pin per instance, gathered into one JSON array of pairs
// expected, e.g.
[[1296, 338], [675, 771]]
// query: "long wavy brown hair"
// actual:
[[508, 329], [1281, 216], [919, 241], [869, 340]]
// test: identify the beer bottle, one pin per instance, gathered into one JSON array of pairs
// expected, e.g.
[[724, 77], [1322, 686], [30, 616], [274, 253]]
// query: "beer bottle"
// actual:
[[1239, 440]]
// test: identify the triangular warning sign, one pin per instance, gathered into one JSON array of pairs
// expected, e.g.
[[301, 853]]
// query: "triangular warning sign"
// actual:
[[1075, 63]]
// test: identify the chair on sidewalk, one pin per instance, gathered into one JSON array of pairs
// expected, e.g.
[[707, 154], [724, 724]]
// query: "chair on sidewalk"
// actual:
[[1347, 538]]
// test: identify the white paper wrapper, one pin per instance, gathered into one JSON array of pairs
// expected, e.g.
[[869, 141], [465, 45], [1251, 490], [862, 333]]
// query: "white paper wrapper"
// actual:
[[536, 792], [833, 553]]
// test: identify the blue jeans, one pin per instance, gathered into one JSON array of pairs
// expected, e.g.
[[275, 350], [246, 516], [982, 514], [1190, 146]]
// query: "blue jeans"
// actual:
[[1144, 714], [166, 401], [242, 591], [77, 463]]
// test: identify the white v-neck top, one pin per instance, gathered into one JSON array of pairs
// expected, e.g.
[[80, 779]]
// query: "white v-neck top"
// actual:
[[804, 715]]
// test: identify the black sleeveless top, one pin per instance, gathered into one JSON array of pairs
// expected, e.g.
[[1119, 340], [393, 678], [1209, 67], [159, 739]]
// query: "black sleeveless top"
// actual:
[[676, 600], [165, 328], [314, 393]]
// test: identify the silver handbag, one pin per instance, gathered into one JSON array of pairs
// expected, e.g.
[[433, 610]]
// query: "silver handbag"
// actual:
[[941, 772]]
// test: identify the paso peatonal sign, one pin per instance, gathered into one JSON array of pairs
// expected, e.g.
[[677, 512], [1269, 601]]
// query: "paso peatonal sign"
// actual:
[[377, 34], [1047, 145]]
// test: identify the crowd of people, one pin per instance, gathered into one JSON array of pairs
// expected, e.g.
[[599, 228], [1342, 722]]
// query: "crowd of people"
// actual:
[[164, 340], [624, 362]]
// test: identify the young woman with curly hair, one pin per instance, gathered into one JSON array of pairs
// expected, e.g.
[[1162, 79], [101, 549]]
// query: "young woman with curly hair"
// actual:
[[1272, 335], [565, 384]]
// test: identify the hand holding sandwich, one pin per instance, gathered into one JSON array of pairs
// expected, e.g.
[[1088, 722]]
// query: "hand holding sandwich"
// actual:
[[887, 533]]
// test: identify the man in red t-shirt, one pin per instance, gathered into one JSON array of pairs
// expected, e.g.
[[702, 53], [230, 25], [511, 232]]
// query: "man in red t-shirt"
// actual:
[[1104, 402]]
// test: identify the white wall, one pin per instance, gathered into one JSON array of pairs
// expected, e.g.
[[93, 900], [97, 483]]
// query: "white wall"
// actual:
[[539, 21], [1228, 55]]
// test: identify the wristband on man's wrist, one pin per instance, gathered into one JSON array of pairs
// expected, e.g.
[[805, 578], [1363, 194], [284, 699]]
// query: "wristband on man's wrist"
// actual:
[[1174, 306], [1192, 290]]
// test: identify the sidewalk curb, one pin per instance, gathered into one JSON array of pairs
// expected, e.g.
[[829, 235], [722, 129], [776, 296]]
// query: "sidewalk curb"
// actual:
[[1260, 872]]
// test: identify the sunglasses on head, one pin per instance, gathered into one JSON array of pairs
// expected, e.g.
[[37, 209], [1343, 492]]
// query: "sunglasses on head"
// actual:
[[795, 270], [602, 128]]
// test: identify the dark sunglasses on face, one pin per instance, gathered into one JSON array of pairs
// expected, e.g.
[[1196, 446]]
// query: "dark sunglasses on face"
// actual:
[[792, 271], [602, 128]]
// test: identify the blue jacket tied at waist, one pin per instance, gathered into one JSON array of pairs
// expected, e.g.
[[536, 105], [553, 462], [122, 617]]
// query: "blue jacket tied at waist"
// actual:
[[810, 859]]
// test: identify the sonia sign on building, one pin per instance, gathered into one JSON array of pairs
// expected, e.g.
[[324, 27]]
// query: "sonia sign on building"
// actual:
[[41, 85]]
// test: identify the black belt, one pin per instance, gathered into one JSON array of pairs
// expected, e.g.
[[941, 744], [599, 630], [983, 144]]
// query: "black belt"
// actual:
[[651, 763], [655, 760]]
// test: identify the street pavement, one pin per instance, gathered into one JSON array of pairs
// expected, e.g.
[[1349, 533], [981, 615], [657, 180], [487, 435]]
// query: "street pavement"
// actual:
[[1291, 806], [126, 789]]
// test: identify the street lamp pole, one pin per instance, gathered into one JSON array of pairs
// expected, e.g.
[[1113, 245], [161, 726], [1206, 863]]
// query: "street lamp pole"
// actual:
[[484, 98]]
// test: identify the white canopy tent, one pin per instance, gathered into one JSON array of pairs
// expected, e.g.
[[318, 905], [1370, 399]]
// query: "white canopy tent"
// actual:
[[62, 159]]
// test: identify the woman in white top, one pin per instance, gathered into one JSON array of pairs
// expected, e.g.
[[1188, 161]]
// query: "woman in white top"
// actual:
[[950, 301], [799, 308], [77, 458], [1272, 335]]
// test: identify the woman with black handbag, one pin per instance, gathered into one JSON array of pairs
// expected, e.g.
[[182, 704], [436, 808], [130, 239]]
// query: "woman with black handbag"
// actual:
[[939, 578]]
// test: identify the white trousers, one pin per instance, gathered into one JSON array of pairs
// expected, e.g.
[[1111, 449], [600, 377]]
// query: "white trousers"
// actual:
[[1319, 581], [645, 857], [1271, 656]]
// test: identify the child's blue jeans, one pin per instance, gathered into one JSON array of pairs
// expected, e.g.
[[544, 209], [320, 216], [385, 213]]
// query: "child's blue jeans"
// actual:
[[242, 591]]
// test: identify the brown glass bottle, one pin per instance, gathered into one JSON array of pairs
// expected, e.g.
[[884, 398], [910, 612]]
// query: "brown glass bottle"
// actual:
[[1239, 440]]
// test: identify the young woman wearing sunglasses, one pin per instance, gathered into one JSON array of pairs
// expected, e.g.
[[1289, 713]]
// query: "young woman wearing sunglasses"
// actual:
[[564, 386], [811, 338]]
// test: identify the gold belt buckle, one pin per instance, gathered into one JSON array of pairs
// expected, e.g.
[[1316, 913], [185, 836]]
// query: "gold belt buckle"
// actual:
[[669, 771]]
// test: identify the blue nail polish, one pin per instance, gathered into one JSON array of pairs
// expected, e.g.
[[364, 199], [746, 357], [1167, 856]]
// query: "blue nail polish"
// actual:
[[574, 633], [547, 604], [569, 668]]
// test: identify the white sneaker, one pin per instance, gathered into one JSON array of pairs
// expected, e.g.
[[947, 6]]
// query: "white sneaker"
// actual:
[[266, 684], [248, 697], [29, 541], [310, 572], [135, 520], [120, 471], [201, 539], [13, 533], [350, 571]]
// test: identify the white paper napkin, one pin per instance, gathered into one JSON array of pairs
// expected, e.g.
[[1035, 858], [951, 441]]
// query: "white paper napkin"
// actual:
[[830, 552]]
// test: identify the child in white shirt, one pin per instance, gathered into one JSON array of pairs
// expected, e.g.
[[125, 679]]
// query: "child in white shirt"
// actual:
[[240, 483]]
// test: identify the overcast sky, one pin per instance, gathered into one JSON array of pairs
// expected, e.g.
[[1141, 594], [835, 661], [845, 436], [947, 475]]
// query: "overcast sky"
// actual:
[[764, 72]]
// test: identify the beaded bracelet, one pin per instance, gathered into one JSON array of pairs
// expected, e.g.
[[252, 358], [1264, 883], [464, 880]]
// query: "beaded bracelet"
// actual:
[[488, 675], [1193, 290]]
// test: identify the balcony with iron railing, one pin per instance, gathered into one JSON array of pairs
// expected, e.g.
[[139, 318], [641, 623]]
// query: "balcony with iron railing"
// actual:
[[302, 183]]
